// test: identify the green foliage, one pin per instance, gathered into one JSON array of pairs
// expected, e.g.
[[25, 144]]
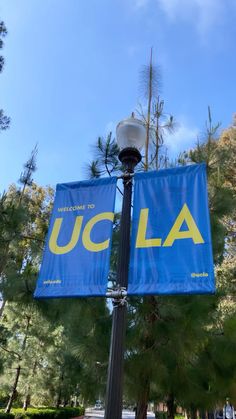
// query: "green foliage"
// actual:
[[29, 169], [177, 347], [55, 345], [6, 415], [42, 413], [23, 224], [161, 415], [180, 348], [4, 120], [3, 33], [106, 162]]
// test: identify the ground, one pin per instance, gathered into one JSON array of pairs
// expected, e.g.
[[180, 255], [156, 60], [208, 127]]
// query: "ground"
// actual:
[[96, 414]]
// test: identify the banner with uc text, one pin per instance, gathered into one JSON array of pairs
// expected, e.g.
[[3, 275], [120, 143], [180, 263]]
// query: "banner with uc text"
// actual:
[[77, 253], [171, 251]]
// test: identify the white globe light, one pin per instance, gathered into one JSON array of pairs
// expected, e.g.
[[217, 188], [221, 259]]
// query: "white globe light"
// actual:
[[130, 132]]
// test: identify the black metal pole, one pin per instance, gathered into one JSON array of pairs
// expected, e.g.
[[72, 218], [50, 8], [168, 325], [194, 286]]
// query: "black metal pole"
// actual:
[[113, 410]]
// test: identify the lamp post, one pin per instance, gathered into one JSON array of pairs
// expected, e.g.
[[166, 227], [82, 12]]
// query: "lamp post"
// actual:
[[130, 138]]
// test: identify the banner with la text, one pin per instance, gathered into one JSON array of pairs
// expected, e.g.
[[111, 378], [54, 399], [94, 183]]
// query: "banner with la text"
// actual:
[[77, 253], [171, 250]]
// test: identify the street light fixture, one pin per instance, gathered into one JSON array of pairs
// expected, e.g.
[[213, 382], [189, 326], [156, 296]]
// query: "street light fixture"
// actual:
[[130, 132], [131, 136]]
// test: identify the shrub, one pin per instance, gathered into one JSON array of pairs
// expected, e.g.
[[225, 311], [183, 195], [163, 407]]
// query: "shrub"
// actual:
[[44, 413], [161, 415], [6, 415]]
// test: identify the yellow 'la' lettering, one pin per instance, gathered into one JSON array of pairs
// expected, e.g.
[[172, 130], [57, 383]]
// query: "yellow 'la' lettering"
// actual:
[[59, 250], [141, 240], [192, 232], [87, 242]]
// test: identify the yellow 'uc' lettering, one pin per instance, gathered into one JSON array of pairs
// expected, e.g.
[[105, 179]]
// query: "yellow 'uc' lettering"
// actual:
[[87, 242], [60, 250], [86, 239]]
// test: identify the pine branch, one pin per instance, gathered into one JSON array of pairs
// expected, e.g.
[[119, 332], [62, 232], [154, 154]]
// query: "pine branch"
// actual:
[[4, 120], [30, 167], [11, 352]]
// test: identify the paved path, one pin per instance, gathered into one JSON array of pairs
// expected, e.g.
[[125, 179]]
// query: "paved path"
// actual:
[[99, 414]]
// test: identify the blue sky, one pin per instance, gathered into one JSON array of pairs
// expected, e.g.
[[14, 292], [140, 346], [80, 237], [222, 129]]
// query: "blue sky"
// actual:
[[72, 73]]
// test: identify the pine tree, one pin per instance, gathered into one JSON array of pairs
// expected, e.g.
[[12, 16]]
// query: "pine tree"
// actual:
[[4, 120], [107, 151], [23, 224], [155, 119], [169, 337]]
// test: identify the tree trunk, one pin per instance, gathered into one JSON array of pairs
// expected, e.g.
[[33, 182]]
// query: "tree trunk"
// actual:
[[28, 390], [193, 413], [157, 143], [2, 308], [60, 391], [170, 406], [202, 414], [18, 369], [28, 318], [13, 392], [142, 404], [150, 81], [210, 414], [143, 398], [58, 402], [27, 399], [4, 258]]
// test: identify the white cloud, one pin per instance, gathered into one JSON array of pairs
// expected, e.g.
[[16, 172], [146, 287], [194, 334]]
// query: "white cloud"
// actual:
[[183, 139], [204, 14], [132, 50], [110, 127], [139, 4]]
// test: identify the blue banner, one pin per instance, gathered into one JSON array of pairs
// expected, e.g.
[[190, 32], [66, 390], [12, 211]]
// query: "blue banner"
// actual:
[[77, 252], [171, 251]]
